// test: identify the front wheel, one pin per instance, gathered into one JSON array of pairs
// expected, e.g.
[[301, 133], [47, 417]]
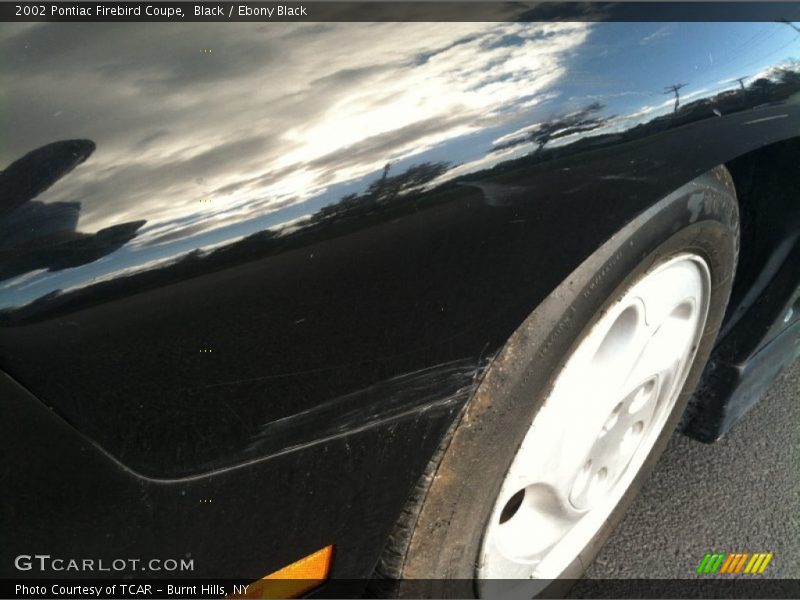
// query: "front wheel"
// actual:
[[599, 423], [575, 410]]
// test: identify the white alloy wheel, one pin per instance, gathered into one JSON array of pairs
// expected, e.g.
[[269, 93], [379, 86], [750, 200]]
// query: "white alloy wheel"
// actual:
[[599, 423]]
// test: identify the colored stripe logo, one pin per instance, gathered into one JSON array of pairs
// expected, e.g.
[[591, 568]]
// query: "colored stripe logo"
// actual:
[[734, 563]]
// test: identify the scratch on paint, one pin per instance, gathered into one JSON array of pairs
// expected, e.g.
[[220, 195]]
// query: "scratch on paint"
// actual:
[[766, 119], [441, 387]]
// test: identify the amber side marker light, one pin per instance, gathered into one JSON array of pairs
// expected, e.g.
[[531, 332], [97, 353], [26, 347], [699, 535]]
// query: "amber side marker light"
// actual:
[[294, 580]]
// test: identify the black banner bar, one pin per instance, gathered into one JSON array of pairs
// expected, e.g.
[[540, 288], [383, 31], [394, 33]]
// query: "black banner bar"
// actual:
[[350, 11], [730, 587]]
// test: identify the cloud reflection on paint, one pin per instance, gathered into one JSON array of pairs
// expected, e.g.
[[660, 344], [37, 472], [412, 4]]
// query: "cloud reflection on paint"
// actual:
[[336, 108], [279, 122]]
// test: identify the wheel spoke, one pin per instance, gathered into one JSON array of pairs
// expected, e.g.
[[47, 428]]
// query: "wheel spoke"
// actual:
[[668, 289], [620, 344], [667, 350]]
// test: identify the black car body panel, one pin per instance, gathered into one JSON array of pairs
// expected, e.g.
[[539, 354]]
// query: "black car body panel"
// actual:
[[760, 337], [267, 267]]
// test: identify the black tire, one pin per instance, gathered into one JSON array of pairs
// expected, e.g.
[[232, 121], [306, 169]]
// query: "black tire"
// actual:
[[435, 546]]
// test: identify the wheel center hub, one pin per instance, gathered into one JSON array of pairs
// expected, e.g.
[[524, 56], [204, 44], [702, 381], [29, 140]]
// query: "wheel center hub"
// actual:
[[615, 444]]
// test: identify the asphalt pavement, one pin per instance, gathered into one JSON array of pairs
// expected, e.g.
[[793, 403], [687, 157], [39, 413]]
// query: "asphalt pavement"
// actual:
[[741, 494]]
